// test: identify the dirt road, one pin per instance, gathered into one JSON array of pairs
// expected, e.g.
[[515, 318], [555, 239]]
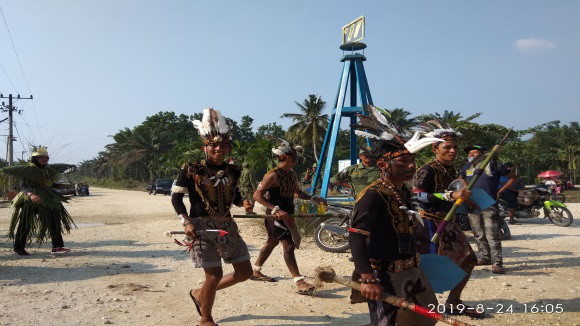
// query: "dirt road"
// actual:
[[124, 271]]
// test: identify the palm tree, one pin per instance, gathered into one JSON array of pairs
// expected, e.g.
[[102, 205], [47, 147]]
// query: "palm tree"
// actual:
[[310, 124], [401, 117]]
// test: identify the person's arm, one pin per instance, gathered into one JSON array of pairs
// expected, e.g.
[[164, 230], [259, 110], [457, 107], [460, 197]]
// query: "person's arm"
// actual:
[[238, 198], [342, 178], [366, 211], [302, 195], [25, 188], [178, 192], [268, 182], [513, 178], [425, 185]]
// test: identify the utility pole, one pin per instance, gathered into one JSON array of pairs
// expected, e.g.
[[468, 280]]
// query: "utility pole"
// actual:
[[10, 108]]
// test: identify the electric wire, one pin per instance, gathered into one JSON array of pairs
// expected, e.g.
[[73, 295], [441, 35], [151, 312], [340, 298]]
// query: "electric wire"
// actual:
[[21, 69], [67, 132], [8, 77], [14, 48]]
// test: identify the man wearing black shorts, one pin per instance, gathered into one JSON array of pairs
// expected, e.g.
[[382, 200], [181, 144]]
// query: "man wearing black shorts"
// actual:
[[281, 184]]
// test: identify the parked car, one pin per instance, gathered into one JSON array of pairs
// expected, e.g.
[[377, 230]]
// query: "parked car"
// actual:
[[64, 186], [160, 186]]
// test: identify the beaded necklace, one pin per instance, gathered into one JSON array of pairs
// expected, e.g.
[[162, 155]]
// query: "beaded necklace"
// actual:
[[389, 185], [441, 165]]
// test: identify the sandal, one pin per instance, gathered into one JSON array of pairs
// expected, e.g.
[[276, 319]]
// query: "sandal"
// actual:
[[196, 302], [305, 288], [497, 269], [263, 278]]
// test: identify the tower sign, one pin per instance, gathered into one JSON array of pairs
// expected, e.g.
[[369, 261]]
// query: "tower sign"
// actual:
[[354, 31]]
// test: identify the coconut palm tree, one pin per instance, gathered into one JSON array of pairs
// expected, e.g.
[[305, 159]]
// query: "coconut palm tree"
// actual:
[[310, 124]]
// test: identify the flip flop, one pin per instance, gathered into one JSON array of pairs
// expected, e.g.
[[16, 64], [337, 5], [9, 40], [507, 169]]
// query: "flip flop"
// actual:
[[306, 291], [263, 278], [196, 302]]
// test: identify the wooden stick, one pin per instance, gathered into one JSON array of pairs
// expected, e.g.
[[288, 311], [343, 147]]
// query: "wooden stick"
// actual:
[[328, 275]]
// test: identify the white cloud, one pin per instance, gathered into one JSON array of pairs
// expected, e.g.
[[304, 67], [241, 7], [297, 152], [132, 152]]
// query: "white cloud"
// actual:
[[533, 44]]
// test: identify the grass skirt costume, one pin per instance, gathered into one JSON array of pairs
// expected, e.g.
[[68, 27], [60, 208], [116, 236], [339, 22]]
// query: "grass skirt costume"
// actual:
[[47, 219]]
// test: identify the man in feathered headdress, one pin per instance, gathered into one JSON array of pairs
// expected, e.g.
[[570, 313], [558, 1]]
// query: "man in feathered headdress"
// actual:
[[281, 184], [431, 186], [212, 185], [38, 209], [381, 235]]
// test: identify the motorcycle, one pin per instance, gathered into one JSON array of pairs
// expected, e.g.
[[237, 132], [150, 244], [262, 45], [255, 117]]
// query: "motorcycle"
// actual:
[[332, 234], [530, 202]]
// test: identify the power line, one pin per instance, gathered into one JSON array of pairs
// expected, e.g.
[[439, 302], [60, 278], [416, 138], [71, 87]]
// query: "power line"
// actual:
[[8, 77], [21, 69], [14, 47], [66, 132]]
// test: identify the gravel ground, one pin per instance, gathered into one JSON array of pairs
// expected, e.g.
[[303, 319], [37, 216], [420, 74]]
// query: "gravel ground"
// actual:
[[124, 271]]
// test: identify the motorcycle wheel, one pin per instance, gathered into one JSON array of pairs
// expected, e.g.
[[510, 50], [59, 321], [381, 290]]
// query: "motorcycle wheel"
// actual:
[[329, 241], [561, 198], [504, 230], [560, 216]]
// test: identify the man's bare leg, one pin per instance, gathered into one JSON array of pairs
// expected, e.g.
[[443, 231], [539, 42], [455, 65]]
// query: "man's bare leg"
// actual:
[[214, 280], [265, 252], [290, 259], [512, 215]]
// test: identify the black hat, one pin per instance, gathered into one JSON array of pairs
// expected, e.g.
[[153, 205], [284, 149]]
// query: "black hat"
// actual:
[[470, 148]]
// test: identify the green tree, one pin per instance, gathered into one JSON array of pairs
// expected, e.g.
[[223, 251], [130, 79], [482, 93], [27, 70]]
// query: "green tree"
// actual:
[[310, 124]]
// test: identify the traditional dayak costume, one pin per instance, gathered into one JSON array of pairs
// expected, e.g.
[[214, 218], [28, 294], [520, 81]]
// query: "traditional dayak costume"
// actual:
[[282, 196], [431, 187], [212, 190], [47, 219], [381, 238]]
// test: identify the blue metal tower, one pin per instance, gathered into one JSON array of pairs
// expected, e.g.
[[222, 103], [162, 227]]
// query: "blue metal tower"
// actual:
[[354, 78]]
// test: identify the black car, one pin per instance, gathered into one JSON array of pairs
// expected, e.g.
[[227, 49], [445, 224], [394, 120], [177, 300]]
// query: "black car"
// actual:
[[160, 186], [64, 186]]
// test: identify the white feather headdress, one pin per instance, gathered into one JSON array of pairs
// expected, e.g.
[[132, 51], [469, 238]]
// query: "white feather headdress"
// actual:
[[377, 126], [213, 127], [284, 147]]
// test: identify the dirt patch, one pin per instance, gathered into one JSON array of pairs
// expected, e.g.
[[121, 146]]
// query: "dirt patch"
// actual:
[[124, 271]]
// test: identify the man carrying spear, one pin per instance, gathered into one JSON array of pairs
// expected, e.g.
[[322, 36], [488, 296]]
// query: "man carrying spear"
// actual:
[[381, 237], [281, 185], [212, 185], [431, 187]]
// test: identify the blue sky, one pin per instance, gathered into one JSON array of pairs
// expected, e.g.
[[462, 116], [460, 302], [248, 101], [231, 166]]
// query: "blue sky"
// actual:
[[95, 67]]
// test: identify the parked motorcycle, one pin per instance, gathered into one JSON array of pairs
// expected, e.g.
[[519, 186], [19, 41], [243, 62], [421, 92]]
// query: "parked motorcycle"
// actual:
[[332, 234], [530, 202]]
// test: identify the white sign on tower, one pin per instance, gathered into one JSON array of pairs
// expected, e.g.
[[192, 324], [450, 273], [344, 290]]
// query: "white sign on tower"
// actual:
[[354, 31]]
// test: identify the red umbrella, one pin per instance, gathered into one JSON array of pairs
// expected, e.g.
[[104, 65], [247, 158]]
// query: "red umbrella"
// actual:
[[550, 174]]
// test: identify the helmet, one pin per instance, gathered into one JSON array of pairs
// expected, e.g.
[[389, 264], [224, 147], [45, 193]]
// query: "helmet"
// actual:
[[39, 151], [456, 185]]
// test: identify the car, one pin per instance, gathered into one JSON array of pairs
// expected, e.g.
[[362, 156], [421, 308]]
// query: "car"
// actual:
[[160, 186], [64, 186]]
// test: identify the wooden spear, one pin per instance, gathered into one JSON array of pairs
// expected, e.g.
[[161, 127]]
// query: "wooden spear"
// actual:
[[327, 275]]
